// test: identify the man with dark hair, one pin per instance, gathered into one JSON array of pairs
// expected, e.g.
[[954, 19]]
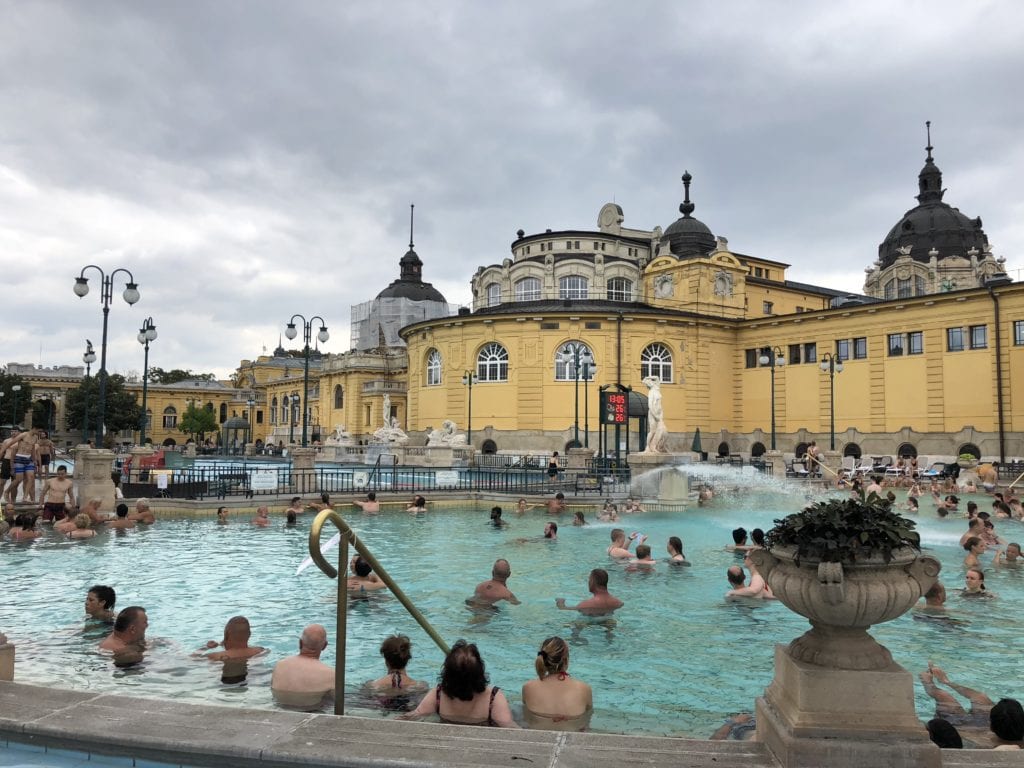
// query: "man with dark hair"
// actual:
[[371, 506], [736, 576], [1007, 723], [122, 520], [129, 630], [364, 580], [551, 530], [58, 495], [739, 541], [99, 603], [603, 602]]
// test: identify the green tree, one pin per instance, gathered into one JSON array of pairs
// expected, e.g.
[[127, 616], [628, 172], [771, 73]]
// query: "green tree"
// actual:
[[122, 409], [7, 398], [175, 375], [197, 421]]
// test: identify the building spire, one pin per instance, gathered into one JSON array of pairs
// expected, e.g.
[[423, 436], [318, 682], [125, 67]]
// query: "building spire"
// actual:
[[928, 128], [929, 181], [686, 207], [412, 208]]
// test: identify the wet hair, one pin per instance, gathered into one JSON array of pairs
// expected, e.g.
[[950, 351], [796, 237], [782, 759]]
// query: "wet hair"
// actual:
[[82, 520], [495, 513], [122, 510], [757, 536], [937, 589], [559, 495], [420, 501], [372, 495], [985, 515], [941, 511], [1006, 719], [972, 508], [600, 577], [1002, 506], [463, 674], [104, 594], [296, 499], [28, 521], [223, 510], [127, 617], [643, 552], [617, 533], [578, 515], [1013, 544], [981, 575], [735, 575], [325, 498], [552, 658], [943, 734], [396, 650], [676, 543], [971, 543], [551, 526], [912, 501], [291, 517], [739, 535], [362, 568]]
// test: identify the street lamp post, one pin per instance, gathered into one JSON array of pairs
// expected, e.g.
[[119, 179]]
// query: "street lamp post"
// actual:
[[16, 389], [575, 354], [131, 295], [88, 357], [251, 403], [832, 364], [292, 400], [307, 330], [775, 359], [147, 333], [468, 379]]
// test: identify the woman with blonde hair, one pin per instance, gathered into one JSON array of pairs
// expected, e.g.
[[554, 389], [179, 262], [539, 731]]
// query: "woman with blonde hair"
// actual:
[[554, 701], [82, 527]]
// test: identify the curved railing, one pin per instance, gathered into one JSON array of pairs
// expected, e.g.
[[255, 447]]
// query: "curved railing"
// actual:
[[348, 536]]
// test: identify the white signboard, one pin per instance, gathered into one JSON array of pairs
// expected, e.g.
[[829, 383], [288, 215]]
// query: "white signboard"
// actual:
[[360, 479], [263, 480], [447, 478]]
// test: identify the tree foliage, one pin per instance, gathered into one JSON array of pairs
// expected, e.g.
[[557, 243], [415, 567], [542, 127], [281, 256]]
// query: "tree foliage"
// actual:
[[122, 409], [7, 404], [176, 375], [197, 421]]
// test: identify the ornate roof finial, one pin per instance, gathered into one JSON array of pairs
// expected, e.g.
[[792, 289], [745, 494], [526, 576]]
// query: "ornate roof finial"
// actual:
[[928, 128], [686, 207], [929, 181], [411, 210]]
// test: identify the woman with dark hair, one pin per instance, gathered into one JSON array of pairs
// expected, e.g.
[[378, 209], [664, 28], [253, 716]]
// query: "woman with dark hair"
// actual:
[[462, 695], [554, 701], [395, 690], [975, 585], [974, 547], [675, 551], [27, 530], [944, 734]]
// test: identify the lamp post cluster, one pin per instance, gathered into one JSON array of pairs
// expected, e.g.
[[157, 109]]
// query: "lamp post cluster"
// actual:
[[147, 333], [131, 296], [581, 360], [307, 331], [832, 364], [774, 359]]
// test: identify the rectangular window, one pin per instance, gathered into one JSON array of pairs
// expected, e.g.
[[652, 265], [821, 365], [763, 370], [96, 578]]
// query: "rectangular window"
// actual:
[[903, 288], [170, 420], [896, 344], [800, 310], [810, 352], [568, 244], [890, 289], [915, 343], [366, 416], [843, 349], [979, 336], [259, 417], [758, 272], [576, 244], [955, 339], [767, 274], [768, 307], [1018, 333], [794, 354], [860, 348], [919, 286], [751, 355]]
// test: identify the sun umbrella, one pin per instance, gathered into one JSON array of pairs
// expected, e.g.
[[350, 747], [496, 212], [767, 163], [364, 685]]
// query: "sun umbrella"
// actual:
[[695, 446]]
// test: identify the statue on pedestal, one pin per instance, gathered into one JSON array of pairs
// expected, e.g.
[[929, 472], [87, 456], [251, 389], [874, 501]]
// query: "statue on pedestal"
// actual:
[[657, 433]]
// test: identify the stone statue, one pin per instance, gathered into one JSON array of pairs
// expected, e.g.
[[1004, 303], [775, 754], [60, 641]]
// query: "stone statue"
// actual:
[[340, 436], [387, 410], [446, 436], [657, 434], [392, 433]]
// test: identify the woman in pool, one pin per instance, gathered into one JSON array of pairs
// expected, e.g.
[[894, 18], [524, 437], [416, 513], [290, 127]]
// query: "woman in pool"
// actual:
[[675, 551], [419, 504], [522, 507], [975, 585], [82, 529], [975, 548], [578, 518], [395, 690], [556, 702], [462, 695], [25, 528]]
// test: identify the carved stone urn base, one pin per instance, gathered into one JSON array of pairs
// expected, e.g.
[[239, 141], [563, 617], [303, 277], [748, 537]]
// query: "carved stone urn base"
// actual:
[[840, 648], [811, 717]]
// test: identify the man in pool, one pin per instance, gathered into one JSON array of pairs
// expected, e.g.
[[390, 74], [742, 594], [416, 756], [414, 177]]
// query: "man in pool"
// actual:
[[603, 603], [363, 579], [129, 630], [56, 490], [262, 519], [303, 681], [1010, 556], [371, 506], [495, 589], [620, 547], [236, 642], [122, 520], [142, 513], [296, 506], [556, 506]]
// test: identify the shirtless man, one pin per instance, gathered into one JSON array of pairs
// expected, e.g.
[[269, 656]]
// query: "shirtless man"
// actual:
[[620, 547], [24, 463], [603, 603], [129, 630], [643, 560], [757, 588], [7, 464], [142, 513], [988, 476], [236, 642], [262, 519], [556, 506], [46, 453], [55, 490], [371, 506], [296, 506], [495, 589], [303, 681], [92, 509], [364, 580], [122, 520]]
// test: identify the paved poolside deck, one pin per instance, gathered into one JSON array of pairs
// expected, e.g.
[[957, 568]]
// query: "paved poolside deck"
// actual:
[[174, 733]]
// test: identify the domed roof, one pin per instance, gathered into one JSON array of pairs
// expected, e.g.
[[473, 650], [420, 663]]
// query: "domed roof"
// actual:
[[410, 283], [933, 225], [687, 236]]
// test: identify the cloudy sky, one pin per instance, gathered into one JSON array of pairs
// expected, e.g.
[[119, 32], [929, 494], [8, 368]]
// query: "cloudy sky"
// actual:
[[249, 160]]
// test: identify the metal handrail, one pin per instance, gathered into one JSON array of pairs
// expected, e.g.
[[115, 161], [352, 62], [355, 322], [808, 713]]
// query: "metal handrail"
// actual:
[[349, 536]]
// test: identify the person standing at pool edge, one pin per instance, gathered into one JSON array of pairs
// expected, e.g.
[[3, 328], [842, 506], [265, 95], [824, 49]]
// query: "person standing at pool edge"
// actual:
[[55, 490]]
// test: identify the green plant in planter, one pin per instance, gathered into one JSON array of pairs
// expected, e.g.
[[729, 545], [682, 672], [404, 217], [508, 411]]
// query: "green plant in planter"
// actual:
[[967, 457], [844, 530]]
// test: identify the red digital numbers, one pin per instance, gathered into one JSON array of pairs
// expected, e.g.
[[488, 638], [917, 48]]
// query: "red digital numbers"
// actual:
[[616, 410]]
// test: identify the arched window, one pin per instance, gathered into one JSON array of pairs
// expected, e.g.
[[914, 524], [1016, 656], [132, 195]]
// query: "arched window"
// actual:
[[170, 417], [489, 447], [756, 450], [723, 449], [492, 363], [572, 287], [656, 360], [566, 370], [906, 451], [433, 368], [493, 294], [528, 289], [339, 396], [223, 412], [801, 450], [852, 449], [284, 408], [620, 289], [273, 410]]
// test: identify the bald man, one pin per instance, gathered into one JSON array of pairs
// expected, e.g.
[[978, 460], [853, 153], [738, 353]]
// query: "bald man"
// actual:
[[303, 681], [236, 641], [495, 589]]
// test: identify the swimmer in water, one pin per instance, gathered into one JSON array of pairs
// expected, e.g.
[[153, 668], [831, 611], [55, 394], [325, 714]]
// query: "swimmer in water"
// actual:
[[363, 580], [602, 602], [675, 551], [494, 589]]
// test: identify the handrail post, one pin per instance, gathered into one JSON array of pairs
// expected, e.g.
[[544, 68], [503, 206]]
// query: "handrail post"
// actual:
[[341, 635]]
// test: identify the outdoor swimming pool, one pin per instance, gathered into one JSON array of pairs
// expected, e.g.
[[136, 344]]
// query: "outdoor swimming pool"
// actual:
[[678, 662]]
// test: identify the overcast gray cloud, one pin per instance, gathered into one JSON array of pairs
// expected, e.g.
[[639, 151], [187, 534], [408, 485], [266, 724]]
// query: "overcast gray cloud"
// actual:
[[248, 160]]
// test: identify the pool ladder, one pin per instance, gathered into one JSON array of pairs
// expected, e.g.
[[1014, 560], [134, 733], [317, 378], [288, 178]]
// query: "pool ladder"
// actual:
[[348, 536]]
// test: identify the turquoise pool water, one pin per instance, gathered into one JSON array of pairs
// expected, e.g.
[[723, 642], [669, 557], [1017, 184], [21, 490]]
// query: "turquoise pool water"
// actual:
[[679, 660]]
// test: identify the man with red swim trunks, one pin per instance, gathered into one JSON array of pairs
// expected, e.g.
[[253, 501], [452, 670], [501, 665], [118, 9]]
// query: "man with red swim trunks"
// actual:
[[55, 491]]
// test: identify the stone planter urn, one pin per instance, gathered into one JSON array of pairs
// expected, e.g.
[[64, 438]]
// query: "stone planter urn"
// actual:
[[842, 600], [967, 463]]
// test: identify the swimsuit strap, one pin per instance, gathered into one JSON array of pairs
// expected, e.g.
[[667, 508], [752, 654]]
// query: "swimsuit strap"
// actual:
[[438, 699], [490, 707], [396, 679]]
